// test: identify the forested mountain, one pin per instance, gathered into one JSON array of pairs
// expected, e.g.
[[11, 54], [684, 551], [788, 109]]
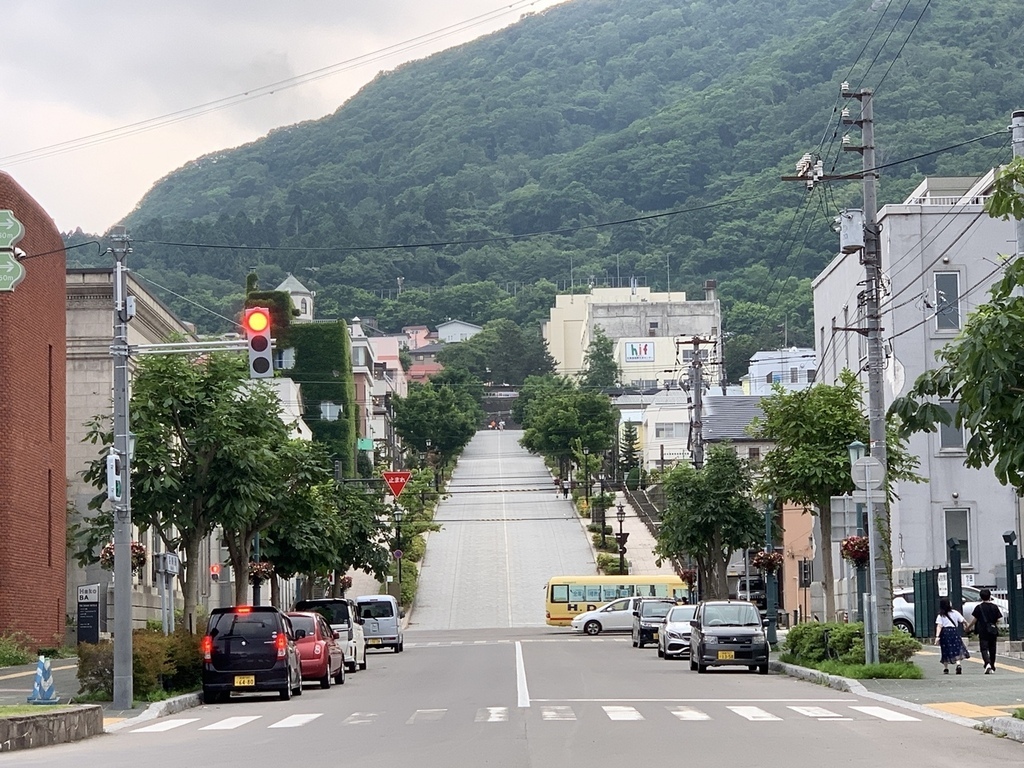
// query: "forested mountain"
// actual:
[[592, 112]]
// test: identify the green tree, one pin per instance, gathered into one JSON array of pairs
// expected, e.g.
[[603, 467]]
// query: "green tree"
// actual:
[[447, 417], [600, 371], [629, 448], [569, 419], [709, 514], [533, 392]]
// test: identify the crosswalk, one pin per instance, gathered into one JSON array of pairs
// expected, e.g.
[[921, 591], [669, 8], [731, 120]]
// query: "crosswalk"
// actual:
[[776, 712]]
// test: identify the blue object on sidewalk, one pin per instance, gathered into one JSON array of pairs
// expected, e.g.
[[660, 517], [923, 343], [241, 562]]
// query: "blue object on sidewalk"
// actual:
[[43, 690]]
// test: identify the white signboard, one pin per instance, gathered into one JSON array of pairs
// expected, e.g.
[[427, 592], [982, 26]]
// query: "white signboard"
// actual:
[[639, 352], [89, 593]]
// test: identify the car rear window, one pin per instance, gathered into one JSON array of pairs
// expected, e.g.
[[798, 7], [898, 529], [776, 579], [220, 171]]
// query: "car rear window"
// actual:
[[378, 609], [334, 612], [682, 613], [251, 626], [656, 610], [305, 623]]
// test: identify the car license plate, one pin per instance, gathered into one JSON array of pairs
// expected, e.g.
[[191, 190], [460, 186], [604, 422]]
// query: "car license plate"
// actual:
[[373, 641], [244, 680], [655, 635], [726, 655]]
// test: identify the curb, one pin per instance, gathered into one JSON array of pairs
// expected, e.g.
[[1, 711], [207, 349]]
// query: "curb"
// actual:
[[159, 709], [855, 687], [1006, 727]]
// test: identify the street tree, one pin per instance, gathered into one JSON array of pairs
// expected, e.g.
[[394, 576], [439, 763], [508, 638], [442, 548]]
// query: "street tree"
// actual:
[[566, 419], [709, 514], [629, 448], [445, 416], [534, 391], [600, 371]]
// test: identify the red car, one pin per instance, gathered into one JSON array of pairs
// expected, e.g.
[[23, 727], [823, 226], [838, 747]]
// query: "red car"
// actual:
[[320, 653]]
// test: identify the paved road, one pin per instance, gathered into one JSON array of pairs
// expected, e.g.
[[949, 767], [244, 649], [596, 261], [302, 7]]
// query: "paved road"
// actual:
[[504, 533], [540, 697]]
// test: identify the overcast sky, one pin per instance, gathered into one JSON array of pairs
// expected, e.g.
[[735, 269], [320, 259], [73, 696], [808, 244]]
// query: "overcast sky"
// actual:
[[70, 69]]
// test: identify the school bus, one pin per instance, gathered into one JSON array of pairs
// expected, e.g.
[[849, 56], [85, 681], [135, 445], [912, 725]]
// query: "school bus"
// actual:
[[567, 596]]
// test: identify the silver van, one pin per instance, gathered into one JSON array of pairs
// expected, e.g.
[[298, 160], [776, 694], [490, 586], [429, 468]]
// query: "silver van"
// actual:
[[382, 621]]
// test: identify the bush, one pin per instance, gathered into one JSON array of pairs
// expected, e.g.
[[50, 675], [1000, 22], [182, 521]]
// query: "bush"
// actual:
[[414, 549], [14, 650], [828, 647], [159, 665], [609, 564], [610, 545], [897, 647]]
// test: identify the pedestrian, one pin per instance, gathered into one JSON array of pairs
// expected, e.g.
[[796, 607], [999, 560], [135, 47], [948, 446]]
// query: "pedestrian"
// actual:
[[986, 618], [565, 491], [947, 636], [558, 487]]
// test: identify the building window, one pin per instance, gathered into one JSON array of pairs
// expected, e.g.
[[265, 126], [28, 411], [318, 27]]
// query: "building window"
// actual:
[[794, 375], [754, 455], [811, 376], [669, 431], [947, 301], [958, 526], [951, 437], [329, 411], [652, 328], [303, 307]]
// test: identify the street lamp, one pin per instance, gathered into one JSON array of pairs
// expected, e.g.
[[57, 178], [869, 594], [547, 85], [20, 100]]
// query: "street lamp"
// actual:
[[398, 548], [861, 471], [586, 491], [620, 515]]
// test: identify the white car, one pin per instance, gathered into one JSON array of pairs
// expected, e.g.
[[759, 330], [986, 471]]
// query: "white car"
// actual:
[[674, 636], [903, 608], [616, 616]]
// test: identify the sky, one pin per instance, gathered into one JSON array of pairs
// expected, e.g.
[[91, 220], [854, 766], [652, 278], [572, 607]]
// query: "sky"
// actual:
[[86, 86]]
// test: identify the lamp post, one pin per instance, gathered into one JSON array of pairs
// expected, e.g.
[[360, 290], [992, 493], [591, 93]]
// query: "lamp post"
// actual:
[[620, 515], [771, 592], [398, 548], [862, 470]]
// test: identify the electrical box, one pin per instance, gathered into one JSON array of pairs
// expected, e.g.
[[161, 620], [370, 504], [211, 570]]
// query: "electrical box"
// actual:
[[851, 230]]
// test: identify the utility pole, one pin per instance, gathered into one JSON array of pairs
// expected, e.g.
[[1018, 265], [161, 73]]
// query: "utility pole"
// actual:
[[696, 385], [1017, 132], [124, 310]]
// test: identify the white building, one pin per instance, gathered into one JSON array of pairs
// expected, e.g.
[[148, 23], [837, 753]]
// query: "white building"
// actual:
[[940, 253], [794, 368], [453, 331]]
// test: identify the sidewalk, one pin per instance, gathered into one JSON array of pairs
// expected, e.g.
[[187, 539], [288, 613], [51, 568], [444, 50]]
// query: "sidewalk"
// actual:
[[640, 546]]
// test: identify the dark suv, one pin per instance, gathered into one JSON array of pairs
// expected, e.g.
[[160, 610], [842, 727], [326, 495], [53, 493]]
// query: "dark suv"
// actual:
[[249, 648], [648, 618], [728, 633]]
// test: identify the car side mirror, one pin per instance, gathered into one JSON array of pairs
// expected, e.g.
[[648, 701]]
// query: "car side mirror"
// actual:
[[695, 624], [637, 614], [401, 613], [765, 622], [299, 634], [337, 635]]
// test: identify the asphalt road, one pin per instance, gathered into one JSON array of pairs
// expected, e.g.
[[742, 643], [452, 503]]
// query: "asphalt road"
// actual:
[[503, 535], [539, 697]]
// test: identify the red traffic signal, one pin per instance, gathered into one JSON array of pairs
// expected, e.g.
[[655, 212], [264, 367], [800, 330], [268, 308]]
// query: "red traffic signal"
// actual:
[[256, 322], [215, 572]]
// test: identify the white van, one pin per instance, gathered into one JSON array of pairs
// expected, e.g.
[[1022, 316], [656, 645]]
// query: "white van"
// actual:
[[343, 616], [382, 621]]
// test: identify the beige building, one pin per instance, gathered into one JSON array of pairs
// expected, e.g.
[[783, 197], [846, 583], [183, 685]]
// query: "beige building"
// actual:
[[644, 327]]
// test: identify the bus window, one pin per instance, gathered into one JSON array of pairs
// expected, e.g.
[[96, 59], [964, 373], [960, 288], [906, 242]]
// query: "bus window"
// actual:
[[559, 593], [594, 593], [576, 593]]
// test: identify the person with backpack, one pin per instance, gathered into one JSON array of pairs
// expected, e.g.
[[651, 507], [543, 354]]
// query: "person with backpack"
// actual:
[[986, 619], [947, 636]]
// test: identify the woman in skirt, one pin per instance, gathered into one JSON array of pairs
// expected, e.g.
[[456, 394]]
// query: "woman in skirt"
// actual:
[[948, 638]]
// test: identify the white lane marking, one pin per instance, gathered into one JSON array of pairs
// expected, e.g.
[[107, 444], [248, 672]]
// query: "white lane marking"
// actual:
[[508, 562], [359, 718], [704, 701], [754, 713], [294, 721], [622, 713], [480, 642], [688, 713], [230, 723], [522, 690], [819, 712], [886, 714], [557, 713], [166, 725], [456, 642], [492, 715], [425, 715]]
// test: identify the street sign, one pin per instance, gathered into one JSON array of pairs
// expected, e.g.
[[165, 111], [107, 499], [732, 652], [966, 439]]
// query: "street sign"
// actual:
[[398, 554], [88, 624], [867, 472], [396, 481], [11, 271], [11, 230]]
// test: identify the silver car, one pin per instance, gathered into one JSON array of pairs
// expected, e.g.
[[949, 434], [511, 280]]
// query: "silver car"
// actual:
[[674, 636], [903, 607]]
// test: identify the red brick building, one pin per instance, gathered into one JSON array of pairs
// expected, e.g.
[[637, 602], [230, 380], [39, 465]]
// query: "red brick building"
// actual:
[[32, 429]]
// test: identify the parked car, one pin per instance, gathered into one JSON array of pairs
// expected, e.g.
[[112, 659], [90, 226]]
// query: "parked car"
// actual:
[[341, 614], [648, 617], [903, 608], [674, 635], [321, 655], [616, 616], [247, 649], [728, 633], [382, 621]]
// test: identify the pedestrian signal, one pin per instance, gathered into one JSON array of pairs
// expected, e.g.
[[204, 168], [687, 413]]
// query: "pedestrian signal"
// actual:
[[256, 322], [215, 572]]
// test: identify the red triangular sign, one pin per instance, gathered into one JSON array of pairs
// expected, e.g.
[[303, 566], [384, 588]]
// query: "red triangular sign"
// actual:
[[396, 481]]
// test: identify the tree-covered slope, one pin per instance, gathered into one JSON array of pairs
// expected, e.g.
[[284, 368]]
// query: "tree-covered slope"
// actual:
[[594, 111]]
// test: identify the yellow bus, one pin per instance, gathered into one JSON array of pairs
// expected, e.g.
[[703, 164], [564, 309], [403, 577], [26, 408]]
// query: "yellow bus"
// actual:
[[568, 596]]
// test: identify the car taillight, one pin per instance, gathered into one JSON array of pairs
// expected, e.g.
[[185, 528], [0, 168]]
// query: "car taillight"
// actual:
[[206, 648], [243, 609], [282, 645]]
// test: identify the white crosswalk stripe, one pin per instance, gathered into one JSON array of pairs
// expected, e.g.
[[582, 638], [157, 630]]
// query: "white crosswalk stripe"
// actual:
[[754, 713], [230, 723], [557, 713], [492, 715], [688, 713], [426, 716], [165, 725], [295, 721], [360, 718], [819, 712], [886, 714], [622, 713]]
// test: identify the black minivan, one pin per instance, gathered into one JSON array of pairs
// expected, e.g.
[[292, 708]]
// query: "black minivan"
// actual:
[[249, 649]]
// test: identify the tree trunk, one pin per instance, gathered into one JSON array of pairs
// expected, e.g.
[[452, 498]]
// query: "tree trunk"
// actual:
[[827, 577], [275, 593]]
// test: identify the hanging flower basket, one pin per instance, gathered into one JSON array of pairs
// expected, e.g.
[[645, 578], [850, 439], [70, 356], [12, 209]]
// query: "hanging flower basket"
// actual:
[[345, 583], [138, 556], [260, 571], [769, 562], [688, 577], [856, 549]]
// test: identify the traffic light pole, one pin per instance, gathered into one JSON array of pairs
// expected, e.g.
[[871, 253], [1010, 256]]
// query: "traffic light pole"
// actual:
[[119, 350]]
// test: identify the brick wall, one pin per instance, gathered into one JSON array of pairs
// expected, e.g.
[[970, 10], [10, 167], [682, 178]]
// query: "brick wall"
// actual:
[[32, 430]]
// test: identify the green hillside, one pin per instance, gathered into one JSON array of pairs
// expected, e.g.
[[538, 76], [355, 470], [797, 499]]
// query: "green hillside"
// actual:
[[592, 112]]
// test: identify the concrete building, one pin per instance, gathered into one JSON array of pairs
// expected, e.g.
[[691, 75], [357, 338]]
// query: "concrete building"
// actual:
[[32, 422], [644, 326], [454, 331], [794, 368], [940, 254], [302, 298]]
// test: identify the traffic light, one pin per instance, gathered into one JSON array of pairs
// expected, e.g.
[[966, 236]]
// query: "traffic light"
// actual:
[[114, 491], [215, 572], [257, 333]]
